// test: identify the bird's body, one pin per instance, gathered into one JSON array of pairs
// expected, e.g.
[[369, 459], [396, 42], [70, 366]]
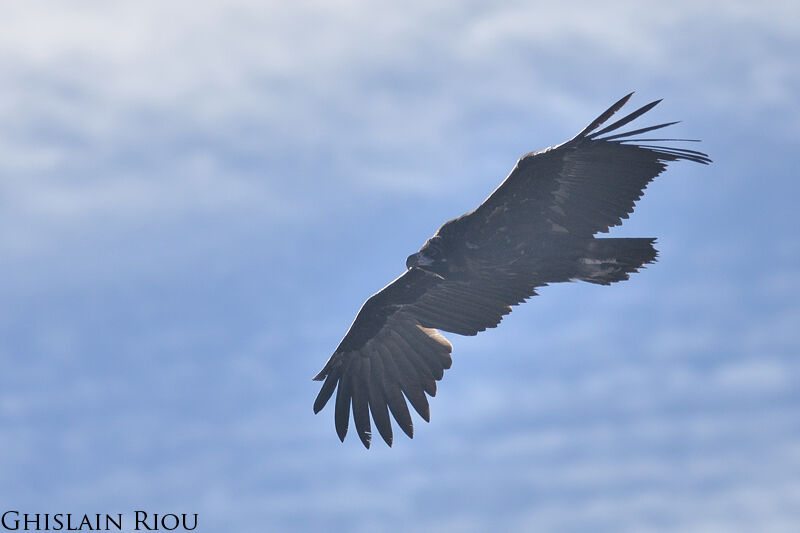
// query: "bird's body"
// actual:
[[538, 227]]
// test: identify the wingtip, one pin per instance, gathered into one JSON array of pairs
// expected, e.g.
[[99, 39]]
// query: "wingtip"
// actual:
[[654, 103], [408, 430], [366, 439], [426, 415], [605, 115], [622, 101], [386, 433]]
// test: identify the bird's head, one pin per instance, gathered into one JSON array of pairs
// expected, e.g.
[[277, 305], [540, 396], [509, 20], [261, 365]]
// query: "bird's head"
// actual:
[[430, 256]]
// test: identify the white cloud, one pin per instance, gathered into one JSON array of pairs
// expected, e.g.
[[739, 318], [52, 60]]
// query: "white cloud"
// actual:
[[756, 375], [302, 74]]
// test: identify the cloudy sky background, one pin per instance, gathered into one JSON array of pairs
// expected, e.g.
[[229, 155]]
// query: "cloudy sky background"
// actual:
[[196, 198]]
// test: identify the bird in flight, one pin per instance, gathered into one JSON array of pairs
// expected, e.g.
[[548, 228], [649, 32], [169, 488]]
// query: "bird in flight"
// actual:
[[537, 227]]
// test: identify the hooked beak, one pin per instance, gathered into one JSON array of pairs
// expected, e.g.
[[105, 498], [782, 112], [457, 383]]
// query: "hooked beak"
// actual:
[[418, 259]]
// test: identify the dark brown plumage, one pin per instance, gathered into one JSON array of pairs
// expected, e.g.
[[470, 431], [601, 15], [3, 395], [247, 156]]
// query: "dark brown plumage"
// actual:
[[536, 228]]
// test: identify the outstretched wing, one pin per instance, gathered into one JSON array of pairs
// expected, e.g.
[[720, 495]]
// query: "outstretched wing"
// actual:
[[583, 186], [392, 348]]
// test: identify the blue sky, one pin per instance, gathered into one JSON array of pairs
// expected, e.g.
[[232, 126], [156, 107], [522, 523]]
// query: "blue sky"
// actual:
[[196, 199]]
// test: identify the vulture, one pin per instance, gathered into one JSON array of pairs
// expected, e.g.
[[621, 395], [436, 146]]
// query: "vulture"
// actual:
[[537, 227]]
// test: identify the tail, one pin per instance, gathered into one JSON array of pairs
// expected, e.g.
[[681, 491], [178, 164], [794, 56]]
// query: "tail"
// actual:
[[607, 261]]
